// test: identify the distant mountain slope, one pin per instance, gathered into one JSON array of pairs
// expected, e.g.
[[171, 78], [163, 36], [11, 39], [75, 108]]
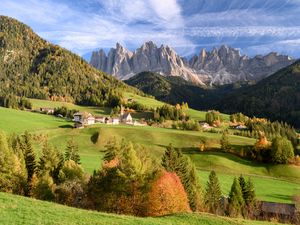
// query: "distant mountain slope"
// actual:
[[32, 67], [176, 90], [220, 66], [276, 97]]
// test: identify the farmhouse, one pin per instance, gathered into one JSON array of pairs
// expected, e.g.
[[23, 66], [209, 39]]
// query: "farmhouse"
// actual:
[[83, 119], [112, 121], [126, 118], [100, 119]]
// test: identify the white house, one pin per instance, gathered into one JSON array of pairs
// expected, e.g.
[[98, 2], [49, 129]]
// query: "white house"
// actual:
[[83, 119], [126, 118]]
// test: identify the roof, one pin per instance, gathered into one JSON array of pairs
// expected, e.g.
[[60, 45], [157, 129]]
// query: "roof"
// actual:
[[278, 208], [83, 114], [126, 115]]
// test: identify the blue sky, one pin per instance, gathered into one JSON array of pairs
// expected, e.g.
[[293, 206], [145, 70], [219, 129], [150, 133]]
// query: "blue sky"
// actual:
[[254, 26]]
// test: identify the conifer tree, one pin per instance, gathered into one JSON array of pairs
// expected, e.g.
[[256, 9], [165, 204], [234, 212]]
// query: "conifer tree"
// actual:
[[213, 193], [249, 196], [49, 160], [72, 150], [236, 201], [6, 165], [112, 150], [174, 161], [243, 185], [29, 155], [225, 141]]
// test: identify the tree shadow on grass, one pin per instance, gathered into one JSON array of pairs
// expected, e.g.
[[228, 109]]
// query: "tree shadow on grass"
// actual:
[[66, 126]]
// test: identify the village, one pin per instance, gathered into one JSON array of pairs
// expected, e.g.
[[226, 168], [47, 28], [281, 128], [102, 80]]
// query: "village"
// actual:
[[83, 119]]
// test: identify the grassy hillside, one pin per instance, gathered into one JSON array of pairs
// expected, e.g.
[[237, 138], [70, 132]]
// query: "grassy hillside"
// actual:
[[20, 210], [18, 121], [282, 180]]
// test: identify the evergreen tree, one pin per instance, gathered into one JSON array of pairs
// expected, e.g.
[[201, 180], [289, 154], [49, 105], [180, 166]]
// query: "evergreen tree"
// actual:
[[29, 155], [174, 161], [72, 150], [7, 165], [49, 160], [249, 195], [236, 201], [112, 150], [225, 141], [243, 185], [213, 193]]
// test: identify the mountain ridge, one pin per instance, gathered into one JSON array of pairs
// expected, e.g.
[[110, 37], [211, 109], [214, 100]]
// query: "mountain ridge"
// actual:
[[33, 67], [216, 67]]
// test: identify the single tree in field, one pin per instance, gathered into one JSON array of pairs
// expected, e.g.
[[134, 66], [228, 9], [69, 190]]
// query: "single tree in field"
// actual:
[[243, 185], [225, 141], [236, 201], [213, 193], [72, 150]]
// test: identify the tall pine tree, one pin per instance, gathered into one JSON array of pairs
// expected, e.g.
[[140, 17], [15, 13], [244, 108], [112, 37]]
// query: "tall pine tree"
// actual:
[[174, 161], [236, 201], [29, 155], [213, 193], [72, 151]]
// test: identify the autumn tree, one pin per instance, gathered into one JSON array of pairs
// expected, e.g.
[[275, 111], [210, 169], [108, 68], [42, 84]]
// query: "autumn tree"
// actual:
[[167, 196]]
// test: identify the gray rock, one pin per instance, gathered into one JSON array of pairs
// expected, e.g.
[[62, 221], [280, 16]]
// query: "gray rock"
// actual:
[[219, 66]]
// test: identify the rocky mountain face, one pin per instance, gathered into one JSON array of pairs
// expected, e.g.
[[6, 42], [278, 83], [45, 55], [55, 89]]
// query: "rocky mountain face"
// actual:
[[217, 67]]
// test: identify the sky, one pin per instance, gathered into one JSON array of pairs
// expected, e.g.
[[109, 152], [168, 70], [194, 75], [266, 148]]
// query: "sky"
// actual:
[[253, 26]]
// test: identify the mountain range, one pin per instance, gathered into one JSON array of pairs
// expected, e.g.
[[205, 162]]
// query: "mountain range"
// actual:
[[224, 65]]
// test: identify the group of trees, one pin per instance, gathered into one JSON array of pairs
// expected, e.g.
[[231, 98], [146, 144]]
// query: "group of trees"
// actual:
[[241, 200], [129, 182], [169, 112], [213, 118], [45, 177], [15, 102], [65, 112]]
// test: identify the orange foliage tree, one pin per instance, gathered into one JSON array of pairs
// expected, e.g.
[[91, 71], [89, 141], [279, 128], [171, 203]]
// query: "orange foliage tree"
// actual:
[[167, 196]]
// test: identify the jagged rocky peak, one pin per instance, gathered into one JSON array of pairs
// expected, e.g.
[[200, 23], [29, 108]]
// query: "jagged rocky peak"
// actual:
[[219, 66]]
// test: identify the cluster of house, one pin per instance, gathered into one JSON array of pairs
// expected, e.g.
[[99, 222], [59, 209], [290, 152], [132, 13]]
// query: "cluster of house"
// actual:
[[82, 119]]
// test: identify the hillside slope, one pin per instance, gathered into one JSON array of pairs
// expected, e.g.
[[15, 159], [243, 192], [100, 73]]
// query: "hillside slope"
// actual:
[[33, 67], [177, 90], [20, 210], [276, 97]]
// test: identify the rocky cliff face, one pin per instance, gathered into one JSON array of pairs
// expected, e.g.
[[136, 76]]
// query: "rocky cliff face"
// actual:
[[219, 66]]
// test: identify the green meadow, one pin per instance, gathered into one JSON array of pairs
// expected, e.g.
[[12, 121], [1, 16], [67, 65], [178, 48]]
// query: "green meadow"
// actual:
[[19, 210], [276, 183]]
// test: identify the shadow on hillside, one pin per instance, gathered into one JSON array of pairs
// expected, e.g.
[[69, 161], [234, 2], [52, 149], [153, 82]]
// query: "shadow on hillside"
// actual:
[[66, 126]]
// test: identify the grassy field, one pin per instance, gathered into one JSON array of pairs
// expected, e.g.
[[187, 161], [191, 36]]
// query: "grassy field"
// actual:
[[19, 210], [18, 121], [273, 182]]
